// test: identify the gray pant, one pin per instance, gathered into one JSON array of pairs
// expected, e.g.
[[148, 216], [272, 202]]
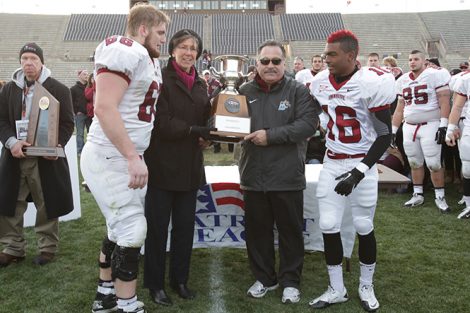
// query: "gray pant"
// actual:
[[47, 230]]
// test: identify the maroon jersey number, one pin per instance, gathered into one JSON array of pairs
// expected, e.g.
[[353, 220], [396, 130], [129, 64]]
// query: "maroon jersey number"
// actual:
[[345, 117], [147, 108], [420, 96]]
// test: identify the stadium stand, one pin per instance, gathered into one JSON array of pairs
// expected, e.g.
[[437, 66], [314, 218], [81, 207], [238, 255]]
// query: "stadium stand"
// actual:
[[69, 41], [310, 26], [240, 34]]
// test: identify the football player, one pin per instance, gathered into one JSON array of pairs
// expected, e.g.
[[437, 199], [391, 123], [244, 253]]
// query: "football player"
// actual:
[[128, 80], [358, 132], [423, 103], [306, 75], [373, 60], [455, 131]]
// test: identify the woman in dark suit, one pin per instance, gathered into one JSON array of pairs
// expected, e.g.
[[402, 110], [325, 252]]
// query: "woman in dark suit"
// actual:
[[175, 163]]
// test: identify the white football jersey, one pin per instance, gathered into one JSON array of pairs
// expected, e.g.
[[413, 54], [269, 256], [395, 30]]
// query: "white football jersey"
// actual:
[[304, 76], [349, 106], [130, 60], [452, 83], [420, 94], [462, 87]]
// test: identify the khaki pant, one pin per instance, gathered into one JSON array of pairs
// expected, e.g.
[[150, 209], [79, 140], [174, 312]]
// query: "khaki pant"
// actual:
[[47, 230]]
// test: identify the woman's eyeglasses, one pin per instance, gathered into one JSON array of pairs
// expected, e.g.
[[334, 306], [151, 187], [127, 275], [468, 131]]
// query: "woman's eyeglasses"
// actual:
[[266, 61]]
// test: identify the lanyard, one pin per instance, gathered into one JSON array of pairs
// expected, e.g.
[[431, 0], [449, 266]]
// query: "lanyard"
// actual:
[[23, 105]]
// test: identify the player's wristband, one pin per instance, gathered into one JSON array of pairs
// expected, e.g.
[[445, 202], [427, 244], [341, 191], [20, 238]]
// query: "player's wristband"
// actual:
[[444, 122], [361, 167], [394, 129]]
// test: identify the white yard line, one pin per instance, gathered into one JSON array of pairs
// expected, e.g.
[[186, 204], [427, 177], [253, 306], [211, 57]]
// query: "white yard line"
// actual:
[[216, 280]]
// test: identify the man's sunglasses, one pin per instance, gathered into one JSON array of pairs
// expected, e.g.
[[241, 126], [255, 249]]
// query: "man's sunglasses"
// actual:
[[266, 61]]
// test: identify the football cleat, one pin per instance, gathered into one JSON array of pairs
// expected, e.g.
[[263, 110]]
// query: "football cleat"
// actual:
[[442, 205], [368, 300], [258, 290], [461, 201], [416, 200], [329, 297], [139, 309], [105, 305], [465, 214], [290, 295]]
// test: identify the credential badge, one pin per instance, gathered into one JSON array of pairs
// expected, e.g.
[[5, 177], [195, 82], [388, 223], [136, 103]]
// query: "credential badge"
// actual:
[[44, 103]]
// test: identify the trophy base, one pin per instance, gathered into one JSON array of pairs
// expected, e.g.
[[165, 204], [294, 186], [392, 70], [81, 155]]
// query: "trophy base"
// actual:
[[45, 151], [219, 136]]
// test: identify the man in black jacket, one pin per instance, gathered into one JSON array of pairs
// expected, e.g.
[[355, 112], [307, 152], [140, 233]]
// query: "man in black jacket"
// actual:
[[46, 179], [283, 116], [79, 107]]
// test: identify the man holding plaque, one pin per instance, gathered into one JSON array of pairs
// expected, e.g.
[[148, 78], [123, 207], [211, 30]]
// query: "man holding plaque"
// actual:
[[272, 172], [128, 82], [45, 179]]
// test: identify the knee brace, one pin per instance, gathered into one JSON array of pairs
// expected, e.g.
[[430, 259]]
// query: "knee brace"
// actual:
[[363, 226], [107, 248], [367, 248], [125, 263], [333, 248]]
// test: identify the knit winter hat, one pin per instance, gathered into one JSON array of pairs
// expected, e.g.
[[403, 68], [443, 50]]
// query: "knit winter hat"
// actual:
[[182, 33], [33, 48]]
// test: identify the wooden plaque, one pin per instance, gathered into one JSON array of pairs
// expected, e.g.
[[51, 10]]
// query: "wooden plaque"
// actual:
[[231, 118], [43, 127]]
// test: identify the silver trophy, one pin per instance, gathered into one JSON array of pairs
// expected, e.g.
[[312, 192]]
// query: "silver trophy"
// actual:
[[229, 109]]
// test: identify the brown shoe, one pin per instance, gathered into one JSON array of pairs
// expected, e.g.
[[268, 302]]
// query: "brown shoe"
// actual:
[[6, 259], [43, 258]]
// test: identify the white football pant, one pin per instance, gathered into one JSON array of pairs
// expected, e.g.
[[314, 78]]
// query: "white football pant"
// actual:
[[420, 145], [105, 171]]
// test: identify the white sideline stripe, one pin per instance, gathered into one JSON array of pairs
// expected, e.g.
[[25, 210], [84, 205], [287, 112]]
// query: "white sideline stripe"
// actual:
[[216, 281]]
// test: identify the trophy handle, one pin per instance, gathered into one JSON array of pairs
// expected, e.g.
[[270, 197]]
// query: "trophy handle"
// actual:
[[215, 73]]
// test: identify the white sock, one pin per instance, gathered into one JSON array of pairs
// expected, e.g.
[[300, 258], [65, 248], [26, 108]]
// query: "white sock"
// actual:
[[336, 277], [367, 274], [467, 201], [418, 189], [127, 305], [439, 192]]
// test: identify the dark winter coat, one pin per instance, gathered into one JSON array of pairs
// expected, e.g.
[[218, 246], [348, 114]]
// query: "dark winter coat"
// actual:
[[55, 177], [174, 157]]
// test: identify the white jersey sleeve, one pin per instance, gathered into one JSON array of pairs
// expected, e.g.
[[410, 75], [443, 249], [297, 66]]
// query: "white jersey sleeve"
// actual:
[[380, 84], [440, 80], [120, 58], [131, 61], [304, 76]]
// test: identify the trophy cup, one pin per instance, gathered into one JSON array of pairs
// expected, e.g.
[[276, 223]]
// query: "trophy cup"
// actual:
[[229, 112], [43, 126]]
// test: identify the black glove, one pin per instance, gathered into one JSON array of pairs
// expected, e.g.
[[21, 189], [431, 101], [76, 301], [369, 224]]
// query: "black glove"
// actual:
[[201, 131], [348, 181], [393, 144], [441, 135]]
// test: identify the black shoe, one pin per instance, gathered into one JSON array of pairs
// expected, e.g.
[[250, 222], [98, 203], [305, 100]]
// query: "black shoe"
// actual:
[[43, 258], [160, 297], [183, 291]]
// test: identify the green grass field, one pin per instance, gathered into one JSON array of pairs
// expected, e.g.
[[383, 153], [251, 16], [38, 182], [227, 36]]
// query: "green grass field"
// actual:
[[423, 266]]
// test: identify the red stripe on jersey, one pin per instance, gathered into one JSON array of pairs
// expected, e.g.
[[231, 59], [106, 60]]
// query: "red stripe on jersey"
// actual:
[[120, 74], [380, 108], [443, 87]]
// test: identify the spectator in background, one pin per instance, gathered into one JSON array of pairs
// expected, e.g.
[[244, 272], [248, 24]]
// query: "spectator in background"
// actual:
[[213, 85], [463, 66], [373, 60], [176, 171], [205, 60], [305, 76], [46, 179], [90, 97], [79, 107], [298, 66], [251, 73], [2, 83]]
